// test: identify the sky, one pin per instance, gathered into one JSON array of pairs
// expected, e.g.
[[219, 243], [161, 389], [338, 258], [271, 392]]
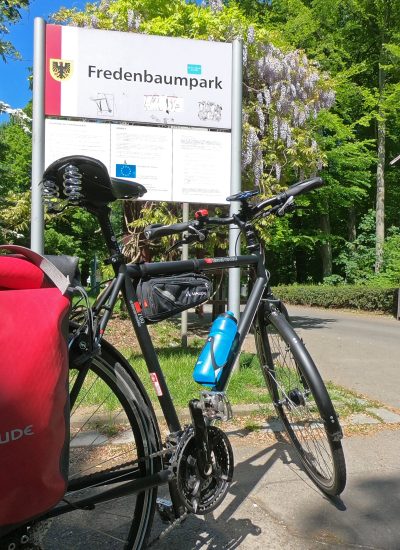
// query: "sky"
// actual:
[[14, 87]]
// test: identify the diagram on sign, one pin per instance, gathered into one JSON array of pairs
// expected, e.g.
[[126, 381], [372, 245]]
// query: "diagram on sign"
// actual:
[[104, 104], [163, 103], [210, 111]]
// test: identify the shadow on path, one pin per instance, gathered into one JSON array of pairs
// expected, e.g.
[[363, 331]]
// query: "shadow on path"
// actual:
[[221, 530], [373, 515], [310, 322]]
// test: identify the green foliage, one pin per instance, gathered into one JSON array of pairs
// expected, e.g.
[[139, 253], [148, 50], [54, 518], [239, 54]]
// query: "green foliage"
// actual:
[[358, 258], [391, 257], [15, 217], [15, 158], [10, 13], [366, 298], [76, 233]]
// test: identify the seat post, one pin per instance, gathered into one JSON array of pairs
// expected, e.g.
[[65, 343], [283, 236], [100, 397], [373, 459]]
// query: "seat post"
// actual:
[[103, 216]]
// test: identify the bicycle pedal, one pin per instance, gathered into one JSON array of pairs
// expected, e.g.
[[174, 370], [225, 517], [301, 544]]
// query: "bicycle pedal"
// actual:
[[215, 405], [165, 510]]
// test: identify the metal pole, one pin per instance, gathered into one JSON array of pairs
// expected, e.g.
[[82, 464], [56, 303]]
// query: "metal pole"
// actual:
[[185, 256], [38, 129], [236, 172]]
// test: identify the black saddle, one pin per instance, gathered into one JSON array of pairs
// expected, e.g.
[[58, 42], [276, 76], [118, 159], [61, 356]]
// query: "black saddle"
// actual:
[[85, 181]]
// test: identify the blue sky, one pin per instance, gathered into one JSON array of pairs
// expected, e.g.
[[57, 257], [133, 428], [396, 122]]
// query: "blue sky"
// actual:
[[14, 88]]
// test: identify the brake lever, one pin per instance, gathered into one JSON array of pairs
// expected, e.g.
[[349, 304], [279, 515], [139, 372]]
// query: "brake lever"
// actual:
[[201, 236], [197, 236], [287, 206]]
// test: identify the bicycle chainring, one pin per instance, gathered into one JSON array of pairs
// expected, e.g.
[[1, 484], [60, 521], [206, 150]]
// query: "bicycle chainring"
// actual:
[[202, 495]]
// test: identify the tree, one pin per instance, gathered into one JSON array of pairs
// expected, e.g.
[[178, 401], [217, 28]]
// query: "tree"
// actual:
[[283, 89], [358, 41], [10, 13]]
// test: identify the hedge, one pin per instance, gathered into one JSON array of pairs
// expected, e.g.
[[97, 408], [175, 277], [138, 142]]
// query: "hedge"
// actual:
[[367, 298]]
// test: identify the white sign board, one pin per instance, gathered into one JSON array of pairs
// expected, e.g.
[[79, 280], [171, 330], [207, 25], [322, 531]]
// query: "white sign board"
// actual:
[[201, 166], [118, 76], [174, 164], [147, 151], [74, 137]]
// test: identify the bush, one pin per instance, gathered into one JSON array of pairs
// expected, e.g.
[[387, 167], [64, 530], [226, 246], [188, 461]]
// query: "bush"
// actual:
[[367, 298]]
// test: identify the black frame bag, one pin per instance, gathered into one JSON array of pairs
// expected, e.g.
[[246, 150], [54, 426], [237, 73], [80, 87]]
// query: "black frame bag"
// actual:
[[164, 297]]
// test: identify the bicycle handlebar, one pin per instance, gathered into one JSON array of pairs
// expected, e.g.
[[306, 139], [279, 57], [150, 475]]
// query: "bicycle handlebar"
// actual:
[[157, 231], [304, 187]]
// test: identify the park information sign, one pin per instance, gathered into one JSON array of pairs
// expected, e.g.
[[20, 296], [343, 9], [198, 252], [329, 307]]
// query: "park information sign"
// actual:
[[174, 164], [176, 91], [136, 77], [167, 111]]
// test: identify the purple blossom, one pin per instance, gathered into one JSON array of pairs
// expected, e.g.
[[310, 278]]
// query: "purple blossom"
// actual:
[[261, 118], [244, 55], [250, 35], [275, 128], [216, 5], [278, 169]]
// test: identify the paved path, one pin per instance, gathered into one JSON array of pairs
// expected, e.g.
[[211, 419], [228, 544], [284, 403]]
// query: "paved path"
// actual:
[[272, 504], [356, 350]]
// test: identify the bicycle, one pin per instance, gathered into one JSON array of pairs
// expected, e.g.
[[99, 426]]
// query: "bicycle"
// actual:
[[118, 457]]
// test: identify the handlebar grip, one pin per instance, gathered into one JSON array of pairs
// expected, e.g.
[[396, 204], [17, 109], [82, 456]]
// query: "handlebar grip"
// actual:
[[304, 187], [157, 231]]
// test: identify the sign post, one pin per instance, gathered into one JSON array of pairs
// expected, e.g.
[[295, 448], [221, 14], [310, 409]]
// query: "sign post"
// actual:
[[185, 256], [96, 87], [236, 174], [38, 134]]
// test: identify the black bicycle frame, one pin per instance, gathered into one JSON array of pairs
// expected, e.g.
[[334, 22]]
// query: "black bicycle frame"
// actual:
[[124, 283], [126, 274]]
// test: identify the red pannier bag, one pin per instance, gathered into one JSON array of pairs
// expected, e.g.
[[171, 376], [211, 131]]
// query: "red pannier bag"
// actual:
[[34, 402]]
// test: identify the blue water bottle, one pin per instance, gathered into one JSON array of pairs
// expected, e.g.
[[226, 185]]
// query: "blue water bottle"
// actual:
[[215, 353]]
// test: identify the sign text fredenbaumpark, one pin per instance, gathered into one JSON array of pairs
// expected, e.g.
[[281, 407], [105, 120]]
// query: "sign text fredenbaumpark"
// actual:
[[137, 77], [153, 109]]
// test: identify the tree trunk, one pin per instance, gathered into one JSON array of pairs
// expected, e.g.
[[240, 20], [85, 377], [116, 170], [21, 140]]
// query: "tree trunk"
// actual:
[[351, 224], [380, 178], [326, 247]]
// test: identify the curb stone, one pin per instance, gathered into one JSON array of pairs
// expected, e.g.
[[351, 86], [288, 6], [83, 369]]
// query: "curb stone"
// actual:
[[378, 415]]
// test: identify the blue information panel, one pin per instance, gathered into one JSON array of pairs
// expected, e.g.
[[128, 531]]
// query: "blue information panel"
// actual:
[[194, 69]]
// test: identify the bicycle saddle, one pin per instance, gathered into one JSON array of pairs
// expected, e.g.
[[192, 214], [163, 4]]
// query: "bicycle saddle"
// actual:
[[85, 181]]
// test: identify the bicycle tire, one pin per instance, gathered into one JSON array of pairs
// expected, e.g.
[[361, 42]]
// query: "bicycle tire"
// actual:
[[301, 400], [112, 425]]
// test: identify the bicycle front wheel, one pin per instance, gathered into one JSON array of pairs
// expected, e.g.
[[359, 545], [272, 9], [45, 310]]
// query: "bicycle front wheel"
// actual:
[[301, 400], [114, 438]]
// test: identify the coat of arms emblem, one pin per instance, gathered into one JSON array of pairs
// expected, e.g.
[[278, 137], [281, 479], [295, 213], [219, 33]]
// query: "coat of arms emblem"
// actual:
[[60, 69]]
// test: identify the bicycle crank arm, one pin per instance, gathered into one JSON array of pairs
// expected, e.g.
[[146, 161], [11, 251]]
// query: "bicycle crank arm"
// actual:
[[201, 438]]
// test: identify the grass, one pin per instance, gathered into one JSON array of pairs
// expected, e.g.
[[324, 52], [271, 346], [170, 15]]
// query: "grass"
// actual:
[[247, 384]]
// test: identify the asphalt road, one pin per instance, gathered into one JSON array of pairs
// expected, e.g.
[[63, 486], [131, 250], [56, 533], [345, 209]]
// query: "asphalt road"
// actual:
[[272, 504], [356, 350]]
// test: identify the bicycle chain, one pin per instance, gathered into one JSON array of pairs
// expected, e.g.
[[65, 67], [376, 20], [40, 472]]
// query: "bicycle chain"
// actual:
[[157, 454]]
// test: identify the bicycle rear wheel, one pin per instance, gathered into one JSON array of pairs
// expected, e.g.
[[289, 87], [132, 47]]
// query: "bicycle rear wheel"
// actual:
[[113, 432], [301, 400]]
